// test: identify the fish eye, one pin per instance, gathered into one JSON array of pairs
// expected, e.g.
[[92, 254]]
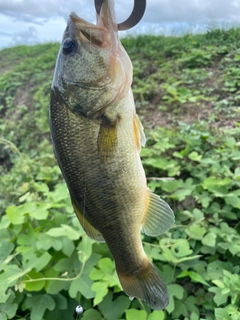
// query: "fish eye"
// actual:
[[68, 46]]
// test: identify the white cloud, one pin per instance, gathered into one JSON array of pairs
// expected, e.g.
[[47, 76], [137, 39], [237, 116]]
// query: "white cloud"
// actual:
[[47, 18], [28, 36]]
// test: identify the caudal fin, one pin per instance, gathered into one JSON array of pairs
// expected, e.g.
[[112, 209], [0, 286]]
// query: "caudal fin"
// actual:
[[147, 286]]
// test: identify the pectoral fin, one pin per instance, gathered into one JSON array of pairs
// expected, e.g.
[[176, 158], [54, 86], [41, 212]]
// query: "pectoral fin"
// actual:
[[107, 138], [88, 228], [140, 138], [159, 216]]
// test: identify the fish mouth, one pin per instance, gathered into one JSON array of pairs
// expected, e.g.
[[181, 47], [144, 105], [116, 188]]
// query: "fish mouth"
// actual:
[[88, 32], [102, 34]]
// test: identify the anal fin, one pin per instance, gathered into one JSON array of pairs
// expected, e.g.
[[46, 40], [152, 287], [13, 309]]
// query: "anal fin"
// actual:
[[159, 217], [87, 227]]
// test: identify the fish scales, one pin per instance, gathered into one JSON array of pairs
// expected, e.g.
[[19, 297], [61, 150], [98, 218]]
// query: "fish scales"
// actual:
[[97, 138], [102, 184]]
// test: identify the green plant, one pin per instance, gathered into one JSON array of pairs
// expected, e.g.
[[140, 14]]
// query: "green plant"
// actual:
[[47, 263]]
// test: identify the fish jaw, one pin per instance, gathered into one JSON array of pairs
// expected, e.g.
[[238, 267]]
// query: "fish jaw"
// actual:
[[104, 36], [98, 72]]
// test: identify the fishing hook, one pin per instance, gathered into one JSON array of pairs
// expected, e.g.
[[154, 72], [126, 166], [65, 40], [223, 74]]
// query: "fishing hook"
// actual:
[[136, 15]]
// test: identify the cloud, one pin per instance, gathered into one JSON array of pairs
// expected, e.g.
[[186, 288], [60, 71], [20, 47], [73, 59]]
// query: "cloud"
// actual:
[[191, 10], [27, 37], [158, 11], [48, 17], [39, 12]]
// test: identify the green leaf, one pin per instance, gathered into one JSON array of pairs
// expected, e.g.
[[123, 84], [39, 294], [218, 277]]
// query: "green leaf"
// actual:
[[38, 305], [180, 309], [106, 265], [133, 314], [196, 232], [35, 285], [175, 290], [61, 301], [195, 156], [41, 211], [101, 289], [193, 275], [4, 223], [169, 185], [55, 286], [29, 238], [194, 316], [216, 185], [218, 283], [190, 304], [91, 314], [85, 246], [156, 315], [96, 274], [181, 194], [197, 277], [46, 242], [221, 314], [67, 246], [113, 309], [15, 215], [219, 298], [181, 248], [209, 239], [5, 249], [64, 230], [8, 309], [39, 262], [83, 284], [232, 200], [8, 278]]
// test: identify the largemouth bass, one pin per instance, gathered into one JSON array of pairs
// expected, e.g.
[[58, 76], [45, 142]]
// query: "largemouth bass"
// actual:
[[97, 138]]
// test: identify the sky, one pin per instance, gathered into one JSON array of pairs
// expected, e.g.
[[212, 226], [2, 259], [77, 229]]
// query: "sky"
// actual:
[[38, 21]]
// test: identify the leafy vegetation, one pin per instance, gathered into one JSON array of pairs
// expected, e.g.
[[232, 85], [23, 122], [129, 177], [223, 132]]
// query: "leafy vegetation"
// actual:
[[187, 91]]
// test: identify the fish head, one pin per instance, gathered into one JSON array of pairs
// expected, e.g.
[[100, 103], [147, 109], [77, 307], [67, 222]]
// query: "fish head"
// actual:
[[92, 70]]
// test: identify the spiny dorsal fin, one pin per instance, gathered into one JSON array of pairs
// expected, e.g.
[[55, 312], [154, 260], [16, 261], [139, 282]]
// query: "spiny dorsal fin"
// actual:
[[159, 216], [87, 227], [139, 135]]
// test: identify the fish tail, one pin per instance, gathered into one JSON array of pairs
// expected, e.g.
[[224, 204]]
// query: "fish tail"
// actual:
[[146, 285]]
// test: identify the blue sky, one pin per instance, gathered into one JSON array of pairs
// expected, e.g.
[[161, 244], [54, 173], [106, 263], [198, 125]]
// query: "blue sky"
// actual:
[[34, 21]]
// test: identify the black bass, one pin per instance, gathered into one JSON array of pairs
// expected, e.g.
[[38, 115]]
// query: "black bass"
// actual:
[[97, 138]]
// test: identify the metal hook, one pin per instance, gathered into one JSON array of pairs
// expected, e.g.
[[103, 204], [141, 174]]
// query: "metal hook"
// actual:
[[136, 15]]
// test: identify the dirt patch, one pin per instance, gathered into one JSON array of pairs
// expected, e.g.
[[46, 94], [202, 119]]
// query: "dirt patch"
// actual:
[[23, 96]]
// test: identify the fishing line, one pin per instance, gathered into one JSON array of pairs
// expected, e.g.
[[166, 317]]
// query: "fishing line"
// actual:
[[79, 308]]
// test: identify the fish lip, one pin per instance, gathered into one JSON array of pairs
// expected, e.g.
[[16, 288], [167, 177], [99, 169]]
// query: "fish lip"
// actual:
[[88, 33], [102, 34], [107, 17]]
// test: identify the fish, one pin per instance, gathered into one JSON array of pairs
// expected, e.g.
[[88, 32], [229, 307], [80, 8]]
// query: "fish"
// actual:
[[97, 138]]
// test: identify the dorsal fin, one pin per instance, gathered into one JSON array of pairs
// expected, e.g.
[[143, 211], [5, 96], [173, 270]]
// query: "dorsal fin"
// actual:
[[159, 216], [87, 227]]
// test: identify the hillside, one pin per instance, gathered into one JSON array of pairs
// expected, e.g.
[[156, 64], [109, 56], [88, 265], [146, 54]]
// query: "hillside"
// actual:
[[187, 93]]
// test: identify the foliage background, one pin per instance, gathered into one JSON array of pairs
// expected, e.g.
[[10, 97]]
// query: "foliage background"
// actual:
[[187, 92]]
